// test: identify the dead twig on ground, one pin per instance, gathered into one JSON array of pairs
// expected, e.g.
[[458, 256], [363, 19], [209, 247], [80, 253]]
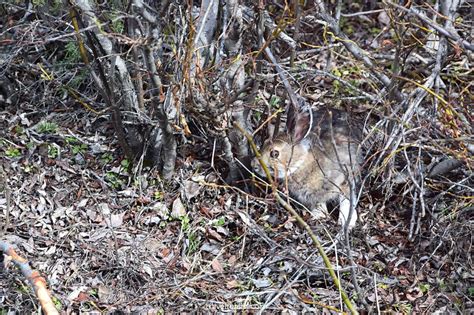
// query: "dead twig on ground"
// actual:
[[36, 280]]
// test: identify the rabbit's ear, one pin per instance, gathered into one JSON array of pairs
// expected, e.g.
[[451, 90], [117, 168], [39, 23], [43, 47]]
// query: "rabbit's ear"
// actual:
[[300, 125]]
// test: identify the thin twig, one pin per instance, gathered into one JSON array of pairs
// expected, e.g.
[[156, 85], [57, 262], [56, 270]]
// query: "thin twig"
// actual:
[[436, 26]]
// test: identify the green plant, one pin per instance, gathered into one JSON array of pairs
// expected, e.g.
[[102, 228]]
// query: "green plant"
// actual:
[[93, 293], [30, 145], [76, 146], [193, 240], [336, 84], [38, 2], [374, 30], [315, 295], [347, 27], [125, 163], [71, 140], [113, 179], [106, 158], [163, 224], [57, 303], [47, 127], [79, 148], [56, 6], [53, 151], [424, 287], [236, 238], [185, 223], [13, 152], [383, 286], [257, 115], [117, 24], [219, 222], [29, 169], [158, 195], [77, 80], [471, 291], [403, 308], [19, 129], [377, 265], [23, 289], [72, 54], [193, 243], [442, 285], [275, 101]]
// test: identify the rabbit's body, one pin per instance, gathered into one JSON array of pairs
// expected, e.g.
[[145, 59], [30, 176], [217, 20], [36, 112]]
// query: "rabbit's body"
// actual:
[[320, 167]]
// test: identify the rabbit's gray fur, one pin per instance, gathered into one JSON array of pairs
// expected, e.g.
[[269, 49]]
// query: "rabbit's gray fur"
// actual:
[[320, 167]]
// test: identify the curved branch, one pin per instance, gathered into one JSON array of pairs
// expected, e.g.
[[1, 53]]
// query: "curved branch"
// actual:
[[37, 282]]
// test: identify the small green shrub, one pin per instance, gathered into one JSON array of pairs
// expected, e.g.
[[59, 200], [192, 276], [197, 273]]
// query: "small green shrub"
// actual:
[[113, 179], [79, 148], [72, 54], [47, 127], [53, 151], [106, 158], [13, 152]]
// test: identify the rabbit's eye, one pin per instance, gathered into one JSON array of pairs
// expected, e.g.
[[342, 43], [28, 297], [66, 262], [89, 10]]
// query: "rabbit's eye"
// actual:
[[274, 154]]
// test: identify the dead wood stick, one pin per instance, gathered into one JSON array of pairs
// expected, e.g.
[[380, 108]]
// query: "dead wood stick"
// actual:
[[453, 36], [36, 280]]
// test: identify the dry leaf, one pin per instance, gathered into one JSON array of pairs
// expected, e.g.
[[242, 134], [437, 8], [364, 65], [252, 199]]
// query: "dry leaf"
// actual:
[[116, 220], [105, 294], [216, 265], [161, 210], [414, 294], [232, 284], [262, 283], [164, 252], [214, 234], [82, 297], [75, 294], [191, 189], [383, 18], [147, 269], [232, 260], [104, 208], [82, 203], [178, 209]]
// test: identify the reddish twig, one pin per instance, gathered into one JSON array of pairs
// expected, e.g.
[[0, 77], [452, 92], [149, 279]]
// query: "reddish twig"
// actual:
[[36, 280]]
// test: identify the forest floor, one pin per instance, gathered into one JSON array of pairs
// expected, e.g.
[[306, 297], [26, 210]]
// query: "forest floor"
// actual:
[[107, 240]]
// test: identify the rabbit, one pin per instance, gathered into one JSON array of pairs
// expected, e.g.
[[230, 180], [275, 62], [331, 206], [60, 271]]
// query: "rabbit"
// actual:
[[319, 158]]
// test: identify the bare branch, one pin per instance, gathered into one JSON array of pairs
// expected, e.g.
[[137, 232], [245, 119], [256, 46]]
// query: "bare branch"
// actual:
[[413, 11], [36, 280]]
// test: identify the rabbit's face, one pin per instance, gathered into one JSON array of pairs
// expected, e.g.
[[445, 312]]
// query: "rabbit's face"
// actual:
[[282, 157]]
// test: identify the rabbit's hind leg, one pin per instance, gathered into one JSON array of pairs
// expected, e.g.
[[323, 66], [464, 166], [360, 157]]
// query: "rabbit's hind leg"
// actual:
[[320, 211], [345, 213]]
